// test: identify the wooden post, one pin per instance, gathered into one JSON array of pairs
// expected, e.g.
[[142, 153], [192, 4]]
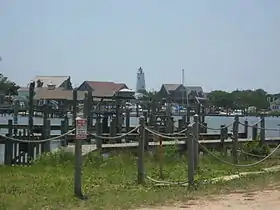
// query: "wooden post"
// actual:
[[9, 145], [223, 139], [86, 108], [127, 119], [118, 115], [16, 110], [113, 126], [153, 113], [78, 157], [255, 132], [105, 126], [62, 131], [146, 139], [196, 139], [98, 132], [204, 129], [46, 147], [235, 140], [66, 129], [190, 146], [262, 130], [188, 120], [184, 118], [75, 106], [161, 151], [31, 107], [246, 129], [180, 125], [137, 109], [90, 114], [202, 114], [141, 175]]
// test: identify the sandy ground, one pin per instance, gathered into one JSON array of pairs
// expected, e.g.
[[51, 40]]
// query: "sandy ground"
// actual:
[[258, 200]]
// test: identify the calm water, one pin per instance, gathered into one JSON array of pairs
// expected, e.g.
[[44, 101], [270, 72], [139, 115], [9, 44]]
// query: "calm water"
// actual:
[[212, 122]]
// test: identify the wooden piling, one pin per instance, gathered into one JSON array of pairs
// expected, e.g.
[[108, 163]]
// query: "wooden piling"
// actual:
[[9, 145], [262, 130], [223, 137], [190, 146], [47, 134], [141, 175], [75, 107], [255, 132], [235, 140], [196, 139]]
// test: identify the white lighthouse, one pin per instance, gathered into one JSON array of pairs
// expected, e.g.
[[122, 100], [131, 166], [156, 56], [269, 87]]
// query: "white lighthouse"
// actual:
[[140, 82]]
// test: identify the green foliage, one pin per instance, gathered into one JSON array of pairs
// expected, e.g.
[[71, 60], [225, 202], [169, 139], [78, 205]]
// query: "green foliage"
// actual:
[[274, 113], [255, 148], [110, 182], [9, 88], [239, 99]]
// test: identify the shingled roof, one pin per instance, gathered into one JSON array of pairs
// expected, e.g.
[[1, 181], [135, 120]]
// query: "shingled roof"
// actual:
[[103, 89], [54, 80], [171, 87]]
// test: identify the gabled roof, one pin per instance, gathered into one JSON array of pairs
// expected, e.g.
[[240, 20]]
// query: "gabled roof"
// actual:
[[171, 87], [55, 80], [106, 89], [194, 88]]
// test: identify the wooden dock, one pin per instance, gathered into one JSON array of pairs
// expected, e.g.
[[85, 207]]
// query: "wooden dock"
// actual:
[[87, 148]]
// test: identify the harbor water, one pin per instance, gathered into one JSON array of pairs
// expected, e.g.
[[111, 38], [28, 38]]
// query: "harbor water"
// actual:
[[212, 122]]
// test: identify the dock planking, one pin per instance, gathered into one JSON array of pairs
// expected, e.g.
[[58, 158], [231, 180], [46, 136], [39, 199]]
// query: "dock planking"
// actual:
[[87, 148]]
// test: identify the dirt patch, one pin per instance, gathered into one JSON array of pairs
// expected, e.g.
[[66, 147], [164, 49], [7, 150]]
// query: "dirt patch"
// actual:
[[257, 200]]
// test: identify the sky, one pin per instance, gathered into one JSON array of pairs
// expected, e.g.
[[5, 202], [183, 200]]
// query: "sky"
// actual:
[[220, 44]]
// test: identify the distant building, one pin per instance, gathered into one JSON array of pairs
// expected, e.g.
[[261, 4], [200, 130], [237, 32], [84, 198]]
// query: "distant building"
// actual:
[[275, 105], [102, 89], [140, 82], [180, 93], [63, 82]]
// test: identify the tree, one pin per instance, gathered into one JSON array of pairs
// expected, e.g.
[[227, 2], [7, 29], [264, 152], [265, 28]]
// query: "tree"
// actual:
[[8, 87], [220, 98], [239, 99]]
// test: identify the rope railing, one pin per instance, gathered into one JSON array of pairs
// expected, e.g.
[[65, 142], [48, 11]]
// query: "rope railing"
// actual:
[[36, 141], [250, 154], [255, 123], [238, 165], [165, 136], [114, 137], [215, 129], [260, 128]]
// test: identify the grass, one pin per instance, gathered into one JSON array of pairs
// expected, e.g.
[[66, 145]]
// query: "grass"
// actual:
[[110, 183]]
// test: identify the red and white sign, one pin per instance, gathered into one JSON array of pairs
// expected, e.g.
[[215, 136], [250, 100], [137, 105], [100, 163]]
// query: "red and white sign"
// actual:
[[81, 128]]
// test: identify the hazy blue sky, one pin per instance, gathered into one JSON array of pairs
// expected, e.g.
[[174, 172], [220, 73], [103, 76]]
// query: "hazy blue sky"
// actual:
[[221, 44]]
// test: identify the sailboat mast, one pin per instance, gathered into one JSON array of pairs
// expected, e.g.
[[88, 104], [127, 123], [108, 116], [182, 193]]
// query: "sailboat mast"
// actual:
[[183, 83]]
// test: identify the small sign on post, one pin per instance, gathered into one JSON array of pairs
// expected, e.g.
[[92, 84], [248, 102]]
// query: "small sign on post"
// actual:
[[81, 134], [81, 128]]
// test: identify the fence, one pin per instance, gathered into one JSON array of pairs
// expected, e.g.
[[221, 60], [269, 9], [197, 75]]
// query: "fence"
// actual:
[[194, 145]]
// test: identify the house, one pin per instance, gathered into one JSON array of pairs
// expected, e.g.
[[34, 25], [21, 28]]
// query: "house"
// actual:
[[63, 82], [101, 89], [59, 94], [180, 93], [275, 105], [58, 98]]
